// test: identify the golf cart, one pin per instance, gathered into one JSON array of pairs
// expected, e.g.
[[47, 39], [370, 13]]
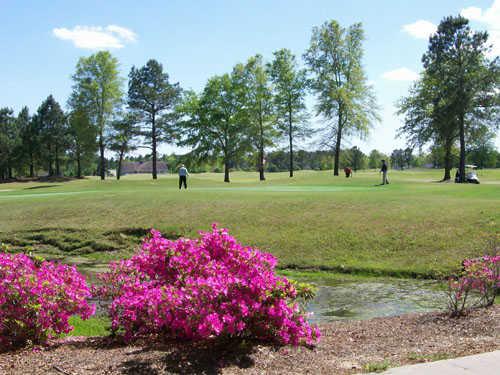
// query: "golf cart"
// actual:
[[470, 174]]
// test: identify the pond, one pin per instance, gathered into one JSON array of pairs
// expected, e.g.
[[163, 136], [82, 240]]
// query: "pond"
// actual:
[[369, 299], [363, 298]]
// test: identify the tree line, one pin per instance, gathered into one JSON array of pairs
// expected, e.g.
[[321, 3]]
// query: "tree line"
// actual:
[[239, 116]]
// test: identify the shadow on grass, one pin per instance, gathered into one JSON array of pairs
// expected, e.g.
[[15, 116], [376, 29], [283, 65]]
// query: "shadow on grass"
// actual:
[[40, 187]]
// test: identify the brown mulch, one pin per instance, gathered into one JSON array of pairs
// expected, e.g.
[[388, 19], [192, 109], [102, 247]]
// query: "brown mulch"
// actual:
[[346, 347]]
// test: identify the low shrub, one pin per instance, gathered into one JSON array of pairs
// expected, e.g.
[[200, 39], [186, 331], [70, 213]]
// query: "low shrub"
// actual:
[[476, 286], [209, 287], [37, 298]]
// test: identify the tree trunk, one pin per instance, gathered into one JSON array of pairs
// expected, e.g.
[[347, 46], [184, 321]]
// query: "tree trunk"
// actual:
[[462, 147], [153, 141], [119, 167], [58, 170], [290, 139], [78, 167], [261, 164], [447, 161], [9, 170], [102, 160], [337, 151], [32, 167], [226, 171], [51, 170], [261, 145]]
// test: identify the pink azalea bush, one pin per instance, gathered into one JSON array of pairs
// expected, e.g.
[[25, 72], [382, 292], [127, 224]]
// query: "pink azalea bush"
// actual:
[[208, 287], [37, 298], [477, 286]]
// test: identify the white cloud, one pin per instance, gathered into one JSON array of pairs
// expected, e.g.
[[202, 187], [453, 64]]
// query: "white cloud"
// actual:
[[472, 13], [401, 74], [96, 37], [122, 32], [420, 29], [490, 18]]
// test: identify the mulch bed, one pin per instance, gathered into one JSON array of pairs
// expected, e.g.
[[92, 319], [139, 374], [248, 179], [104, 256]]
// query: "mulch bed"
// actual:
[[346, 347]]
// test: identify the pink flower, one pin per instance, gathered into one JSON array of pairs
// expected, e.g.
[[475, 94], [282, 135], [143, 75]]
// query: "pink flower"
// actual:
[[194, 289]]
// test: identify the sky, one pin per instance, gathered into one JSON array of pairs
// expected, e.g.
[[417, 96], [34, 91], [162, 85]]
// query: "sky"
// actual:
[[194, 40]]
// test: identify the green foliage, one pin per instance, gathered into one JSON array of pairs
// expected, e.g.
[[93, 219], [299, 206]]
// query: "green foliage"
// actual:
[[53, 131], [29, 147], [377, 366], [402, 159], [344, 98], [258, 108], [289, 93], [97, 90], [213, 123], [124, 133], [82, 139], [9, 141], [152, 97], [457, 96], [374, 159], [353, 158], [418, 357]]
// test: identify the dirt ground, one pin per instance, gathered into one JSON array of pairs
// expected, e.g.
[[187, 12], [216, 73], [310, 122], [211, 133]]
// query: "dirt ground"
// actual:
[[346, 347]]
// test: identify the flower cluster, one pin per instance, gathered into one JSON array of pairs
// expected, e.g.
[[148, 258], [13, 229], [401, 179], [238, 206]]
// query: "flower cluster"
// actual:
[[37, 298], [480, 278], [196, 289]]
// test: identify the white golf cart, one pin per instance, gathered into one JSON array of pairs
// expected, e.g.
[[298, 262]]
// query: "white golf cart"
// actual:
[[470, 174]]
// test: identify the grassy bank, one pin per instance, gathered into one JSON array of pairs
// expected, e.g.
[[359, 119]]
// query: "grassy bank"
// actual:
[[414, 227]]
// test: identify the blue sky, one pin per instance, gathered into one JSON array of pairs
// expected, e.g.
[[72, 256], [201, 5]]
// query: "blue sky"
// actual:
[[42, 41]]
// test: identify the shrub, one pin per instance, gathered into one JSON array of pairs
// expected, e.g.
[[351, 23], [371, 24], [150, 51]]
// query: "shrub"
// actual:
[[37, 298], [209, 287], [476, 286]]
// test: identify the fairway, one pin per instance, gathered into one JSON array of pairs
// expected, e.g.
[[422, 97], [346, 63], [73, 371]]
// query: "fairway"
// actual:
[[413, 227]]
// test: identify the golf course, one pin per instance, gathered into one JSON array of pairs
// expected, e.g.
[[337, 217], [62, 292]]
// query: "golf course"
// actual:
[[415, 227]]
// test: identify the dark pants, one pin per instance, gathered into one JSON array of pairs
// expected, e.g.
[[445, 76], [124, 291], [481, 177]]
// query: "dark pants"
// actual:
[[182, 180]]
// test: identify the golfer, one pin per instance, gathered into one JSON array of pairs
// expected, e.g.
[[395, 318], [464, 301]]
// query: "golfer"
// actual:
[[384, 173], [183, 173]]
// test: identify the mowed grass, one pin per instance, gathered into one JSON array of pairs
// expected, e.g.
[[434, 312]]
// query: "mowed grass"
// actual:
[[415, 226]]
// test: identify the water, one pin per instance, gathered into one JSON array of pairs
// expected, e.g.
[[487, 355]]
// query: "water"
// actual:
[[369, 299]]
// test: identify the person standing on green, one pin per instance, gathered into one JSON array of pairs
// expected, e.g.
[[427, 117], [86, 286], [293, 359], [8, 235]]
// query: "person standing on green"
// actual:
[[183, 173], [384, 173]]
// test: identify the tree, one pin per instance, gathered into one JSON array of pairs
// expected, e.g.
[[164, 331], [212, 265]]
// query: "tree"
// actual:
[[374, 159], [398, 159], [212, 122], [97, 90], [125, 130], [456, 60], [252, 83], [356, 158], [408, 157], [428, 119], [153, 97], [53, 134], [30, 142], [289, 91], [345, 99], [82, 138], [9, 140]]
